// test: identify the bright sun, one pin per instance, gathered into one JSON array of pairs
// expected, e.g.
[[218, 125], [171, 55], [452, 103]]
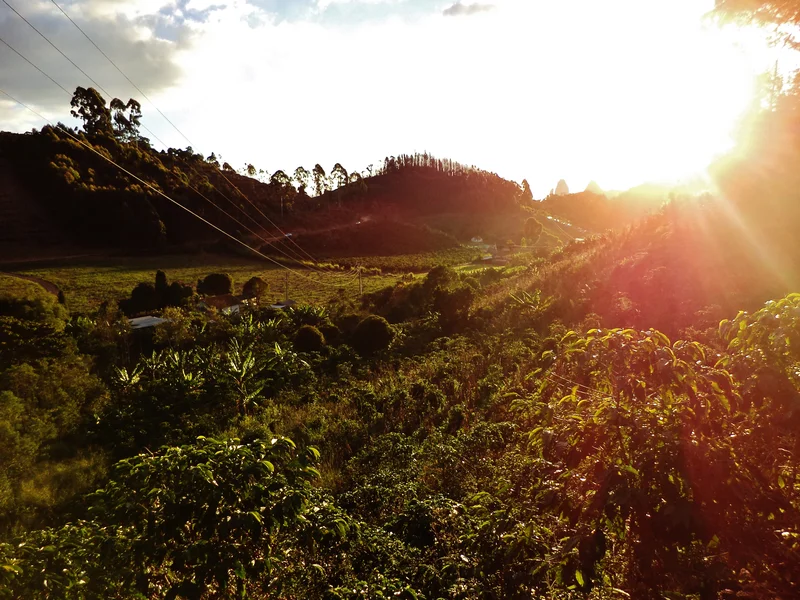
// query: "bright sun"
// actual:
[[635, 92]]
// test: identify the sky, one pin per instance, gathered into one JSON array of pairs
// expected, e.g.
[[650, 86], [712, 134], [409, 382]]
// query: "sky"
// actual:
[[620, 92]]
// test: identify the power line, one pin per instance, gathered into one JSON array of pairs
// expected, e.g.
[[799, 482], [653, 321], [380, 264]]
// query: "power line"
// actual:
[[160, 193], [117, 68], [108, 94], [223, 211], [44, 37], [284, 236], [86, 35], [151, 133], [267, 218], [33, 65], [65, 90], [296, 257]]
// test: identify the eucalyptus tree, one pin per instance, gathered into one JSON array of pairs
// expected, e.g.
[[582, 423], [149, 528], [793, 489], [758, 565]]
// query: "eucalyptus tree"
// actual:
[[89, 106]]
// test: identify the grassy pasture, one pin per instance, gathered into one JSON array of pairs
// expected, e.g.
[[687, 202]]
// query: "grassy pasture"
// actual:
[[89, 282], [14, 287], [412, 263]]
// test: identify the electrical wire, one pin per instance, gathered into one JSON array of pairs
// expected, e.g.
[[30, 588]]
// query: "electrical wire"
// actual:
[[297, 258], [18, 53], [117, 68], [44, 37], [160, 193], [65, 90], [172, 124]]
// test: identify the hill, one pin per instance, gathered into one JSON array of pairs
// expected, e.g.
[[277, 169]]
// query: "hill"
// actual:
[[596, 210], [62, 190]]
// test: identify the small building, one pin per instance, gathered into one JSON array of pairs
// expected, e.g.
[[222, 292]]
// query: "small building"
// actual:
[[477, 240], [283, 304], [145, 322], [227, 304]]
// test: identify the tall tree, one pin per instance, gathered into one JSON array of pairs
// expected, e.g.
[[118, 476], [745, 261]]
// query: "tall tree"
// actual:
[[562, 189], [90, 106], [320, 180], [339, 175], [126, 119], [302, 177], [283, 185], [280, 179], [527, 194]]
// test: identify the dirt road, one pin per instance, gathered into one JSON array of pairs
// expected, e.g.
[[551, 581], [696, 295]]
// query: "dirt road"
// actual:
[[49, 286]]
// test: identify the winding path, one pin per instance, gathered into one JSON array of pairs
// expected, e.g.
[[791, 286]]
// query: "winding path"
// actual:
[[49, 286]]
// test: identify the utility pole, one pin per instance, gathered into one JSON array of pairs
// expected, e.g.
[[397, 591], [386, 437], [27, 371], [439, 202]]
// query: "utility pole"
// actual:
[[360, 283], [287, 286]]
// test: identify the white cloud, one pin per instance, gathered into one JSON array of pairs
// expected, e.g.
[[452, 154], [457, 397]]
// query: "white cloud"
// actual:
[[574, 89]]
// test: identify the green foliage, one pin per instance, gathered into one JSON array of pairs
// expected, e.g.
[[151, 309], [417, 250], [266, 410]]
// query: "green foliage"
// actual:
[[215, 284], [147, 297], [372, 335], [90, 106], [309, 339], [249, 490], [453, 304], [29, 302], [255, 287]]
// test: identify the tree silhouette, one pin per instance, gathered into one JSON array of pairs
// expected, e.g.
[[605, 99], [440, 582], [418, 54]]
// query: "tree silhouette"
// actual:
[[90, 106], [320, 180], [533, 230], [126, 126], [339, 175], [562, 189], [302, 177], [280, 179], [527, 195]]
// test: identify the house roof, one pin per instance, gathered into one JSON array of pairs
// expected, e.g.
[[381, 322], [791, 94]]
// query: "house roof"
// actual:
[[284, 304], [146, 321], [221, 301]]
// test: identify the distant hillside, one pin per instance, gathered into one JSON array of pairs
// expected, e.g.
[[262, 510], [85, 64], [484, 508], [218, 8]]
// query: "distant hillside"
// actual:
[[97, 205], [596, 210], [689, 265], [64, 192]]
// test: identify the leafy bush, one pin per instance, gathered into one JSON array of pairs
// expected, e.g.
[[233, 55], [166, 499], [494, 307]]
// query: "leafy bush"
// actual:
[[309, 339], [453, 305], [147, 297], [255, 287], [29, 302], [144, 298], [215, 284], [372, 335]]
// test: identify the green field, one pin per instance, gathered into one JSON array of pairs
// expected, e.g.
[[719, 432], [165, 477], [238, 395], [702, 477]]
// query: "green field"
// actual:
[[412, 263], [89, 282], [19, 288]]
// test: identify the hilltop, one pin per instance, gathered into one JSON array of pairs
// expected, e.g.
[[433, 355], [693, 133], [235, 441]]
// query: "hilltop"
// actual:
[[65, 197]]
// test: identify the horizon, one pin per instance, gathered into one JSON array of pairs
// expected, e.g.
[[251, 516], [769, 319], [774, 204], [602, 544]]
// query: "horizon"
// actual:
[[623, 104]]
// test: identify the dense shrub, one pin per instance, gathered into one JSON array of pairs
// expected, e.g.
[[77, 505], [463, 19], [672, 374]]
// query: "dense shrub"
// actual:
[[372, 335], [144, 298], [215, 284], [309, 339], [178, 294], [147, 297], [255, 287], [440, 276], [453, 304]]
